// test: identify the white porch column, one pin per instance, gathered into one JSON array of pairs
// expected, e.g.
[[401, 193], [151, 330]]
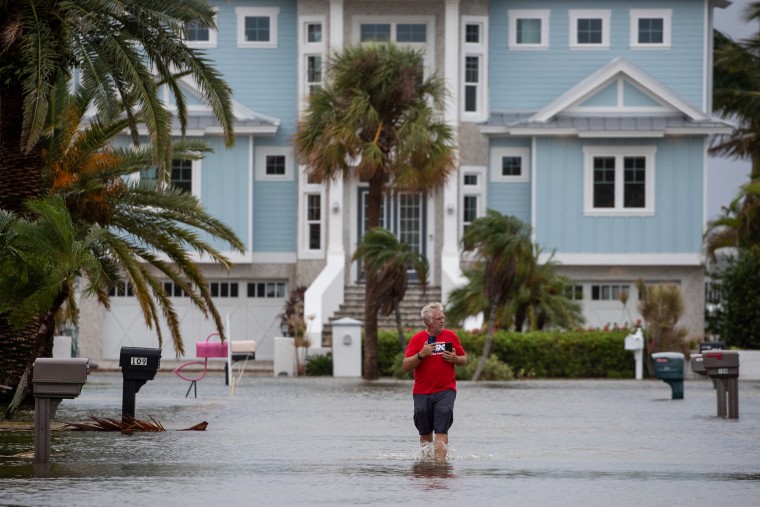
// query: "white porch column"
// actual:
[[451, 274]]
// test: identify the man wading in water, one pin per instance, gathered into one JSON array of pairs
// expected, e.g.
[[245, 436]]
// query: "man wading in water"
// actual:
[[433, 354]]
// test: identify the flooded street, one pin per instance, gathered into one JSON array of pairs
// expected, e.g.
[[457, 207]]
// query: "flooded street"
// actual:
[[326, 441]]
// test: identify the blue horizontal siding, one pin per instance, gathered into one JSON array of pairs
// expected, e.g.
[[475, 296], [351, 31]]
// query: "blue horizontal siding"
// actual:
[[521, 80], [676, 226], [510, 199], [274, 216]]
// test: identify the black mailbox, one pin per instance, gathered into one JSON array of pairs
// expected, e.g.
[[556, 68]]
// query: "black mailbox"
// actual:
[[721, 363], [668, 367], [139, 363], [59, 378]]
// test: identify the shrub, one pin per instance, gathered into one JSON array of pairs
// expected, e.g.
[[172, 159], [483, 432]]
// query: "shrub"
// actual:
[[546, 354], [319, 365], [494, 369]]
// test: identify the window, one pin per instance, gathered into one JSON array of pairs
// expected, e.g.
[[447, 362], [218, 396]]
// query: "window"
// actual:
[[650, 28], [257, 27], [121, 290], [314, 221], [174, 290], [414, 31], [589, 29], [274, 163], [224, 289], [182, 175], [619, 180], [266, 290], [185, 175], [609, 292], [528, 28], [200, 36], [473, 194], [474, 54], [311, 56], [574, 292], [510, 164], [313, 73]]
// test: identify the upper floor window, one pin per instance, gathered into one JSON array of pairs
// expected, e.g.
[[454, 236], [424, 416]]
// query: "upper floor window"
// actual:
[[474, 78], [184, 176], [619, 180], [528, 28], [257, 27], [200, 36], [650, 28], [312, 49], [589, 29], [472, 189], [510, 165], [415, 31], [274, 163]]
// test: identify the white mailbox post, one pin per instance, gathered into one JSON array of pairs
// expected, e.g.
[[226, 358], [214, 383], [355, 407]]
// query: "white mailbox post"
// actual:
[[347, 348], [635, 343]]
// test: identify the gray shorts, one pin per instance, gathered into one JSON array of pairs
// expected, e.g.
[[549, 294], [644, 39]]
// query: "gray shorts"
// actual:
[[434, 412]]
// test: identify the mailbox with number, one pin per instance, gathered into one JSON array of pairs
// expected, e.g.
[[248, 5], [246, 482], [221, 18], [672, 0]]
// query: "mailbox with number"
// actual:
[[138, 365]]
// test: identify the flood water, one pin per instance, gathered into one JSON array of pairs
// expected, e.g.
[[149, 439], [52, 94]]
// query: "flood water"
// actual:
[[326, 441]]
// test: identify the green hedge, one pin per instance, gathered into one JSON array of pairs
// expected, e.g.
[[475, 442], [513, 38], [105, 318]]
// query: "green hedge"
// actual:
[[544, 354]]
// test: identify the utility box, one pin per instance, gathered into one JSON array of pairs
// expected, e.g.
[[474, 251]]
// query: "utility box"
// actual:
[[59, 378], [138, 363], [347, 348], [668, 367], [721, 363], [284, 356]]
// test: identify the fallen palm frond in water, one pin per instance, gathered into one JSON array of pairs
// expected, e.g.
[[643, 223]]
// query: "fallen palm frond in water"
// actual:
[[126, 425]]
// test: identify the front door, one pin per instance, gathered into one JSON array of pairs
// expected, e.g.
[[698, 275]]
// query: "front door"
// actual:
[[403, 214]]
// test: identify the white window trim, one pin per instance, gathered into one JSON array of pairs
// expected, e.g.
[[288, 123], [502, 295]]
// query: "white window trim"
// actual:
[[478, 191], [195, 185], [496, 157], [480, 50], [307, 49], [619, 152], [576, 14], [306, 189], [205, 44], [394, 21], [665, 14], [261, 163], [244, 12], [516, 14]]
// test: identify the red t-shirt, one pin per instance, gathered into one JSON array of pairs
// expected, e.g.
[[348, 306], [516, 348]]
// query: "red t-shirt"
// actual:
[[434, 374]]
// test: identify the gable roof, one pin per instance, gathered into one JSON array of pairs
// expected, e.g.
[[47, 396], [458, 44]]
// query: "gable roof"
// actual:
[[617, 100], [618, 67]]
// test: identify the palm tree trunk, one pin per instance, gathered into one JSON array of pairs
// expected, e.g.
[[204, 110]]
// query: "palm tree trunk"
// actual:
[[42, 346], [20, 172], [399, 327], [487, 344], [371, 362]]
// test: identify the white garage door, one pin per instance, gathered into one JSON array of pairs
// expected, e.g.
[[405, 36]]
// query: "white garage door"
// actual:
[[252, 308]]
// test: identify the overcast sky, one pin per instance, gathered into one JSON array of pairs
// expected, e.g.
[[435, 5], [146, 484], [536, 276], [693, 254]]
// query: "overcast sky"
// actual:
[[724, 176]]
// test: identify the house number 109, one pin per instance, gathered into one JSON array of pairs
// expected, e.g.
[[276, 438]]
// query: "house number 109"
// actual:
[[139, 361]]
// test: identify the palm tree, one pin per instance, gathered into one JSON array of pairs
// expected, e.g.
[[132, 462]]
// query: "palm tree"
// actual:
[[389, 260], [115, 49], [133, 226], [541, 299], [503, 244], [378, 119]]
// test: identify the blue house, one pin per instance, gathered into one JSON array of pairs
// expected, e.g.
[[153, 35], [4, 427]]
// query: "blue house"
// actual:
[[589, 120]]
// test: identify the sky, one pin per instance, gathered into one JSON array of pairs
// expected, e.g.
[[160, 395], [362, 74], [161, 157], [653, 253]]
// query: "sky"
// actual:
[[724, 176]]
